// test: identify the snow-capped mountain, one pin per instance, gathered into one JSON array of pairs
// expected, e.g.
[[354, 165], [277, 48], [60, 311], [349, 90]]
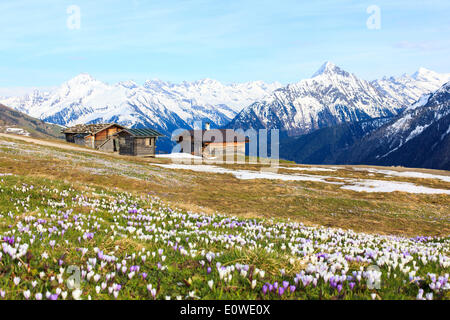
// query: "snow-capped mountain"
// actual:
[[419, 137], [334, 96], [409, 88], [162, 105]]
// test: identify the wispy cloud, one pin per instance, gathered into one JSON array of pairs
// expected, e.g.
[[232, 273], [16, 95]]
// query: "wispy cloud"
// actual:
[[419, 45], [233, 40]]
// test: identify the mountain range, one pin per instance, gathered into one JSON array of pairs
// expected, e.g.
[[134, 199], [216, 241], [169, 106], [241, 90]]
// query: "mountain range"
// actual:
[[419, 137], [318, 117], [161, 105], [333, 96]]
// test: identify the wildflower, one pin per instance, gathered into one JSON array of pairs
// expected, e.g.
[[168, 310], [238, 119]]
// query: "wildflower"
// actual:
[[420, 295], [76, 294], [253, 284], [16, 281], [38, 296], [210, 284], [27, 294], [264, 289]]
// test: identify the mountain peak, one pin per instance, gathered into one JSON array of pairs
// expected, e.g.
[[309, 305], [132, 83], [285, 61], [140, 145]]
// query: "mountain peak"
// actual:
[[207, 81], [82, 78], [329, 68], [129, 84], [422, 73]]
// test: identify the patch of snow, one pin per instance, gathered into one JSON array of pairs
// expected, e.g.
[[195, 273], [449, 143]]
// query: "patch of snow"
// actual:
[[348, 184], [418, 130], [420, 103], [18, 131], [406, 174], [245, 174], [391, 186], [446, 133]]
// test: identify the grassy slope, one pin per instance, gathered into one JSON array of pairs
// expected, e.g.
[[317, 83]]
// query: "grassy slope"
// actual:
[[307, 202], [83, 194], [37, 128]]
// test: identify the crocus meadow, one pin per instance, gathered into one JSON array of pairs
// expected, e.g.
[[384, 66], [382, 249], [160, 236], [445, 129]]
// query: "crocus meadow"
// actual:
[[61, 241]]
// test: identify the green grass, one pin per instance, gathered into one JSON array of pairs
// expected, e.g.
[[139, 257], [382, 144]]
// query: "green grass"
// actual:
[[265, 224], [88, 209]]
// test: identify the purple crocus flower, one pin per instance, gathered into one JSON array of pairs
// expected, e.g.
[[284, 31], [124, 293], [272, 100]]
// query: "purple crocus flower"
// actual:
[[351, 285], [208, 270], [264, 289], [280, 291], [292, 288]]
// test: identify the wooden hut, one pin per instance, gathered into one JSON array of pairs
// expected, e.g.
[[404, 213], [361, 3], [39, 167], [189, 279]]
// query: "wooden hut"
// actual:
[[138, 142], [98, 136], [214, 142]]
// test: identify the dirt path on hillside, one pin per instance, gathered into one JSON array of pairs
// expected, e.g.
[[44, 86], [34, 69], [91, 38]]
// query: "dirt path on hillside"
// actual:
[[55, 144]]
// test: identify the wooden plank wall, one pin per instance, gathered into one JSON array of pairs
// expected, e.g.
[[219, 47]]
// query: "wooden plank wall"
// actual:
[[141, 149], [126, 145]]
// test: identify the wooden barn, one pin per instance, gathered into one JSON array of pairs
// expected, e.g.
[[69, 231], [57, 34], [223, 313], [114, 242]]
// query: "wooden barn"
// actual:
[[212, 142], [137, 142], [98, 136]]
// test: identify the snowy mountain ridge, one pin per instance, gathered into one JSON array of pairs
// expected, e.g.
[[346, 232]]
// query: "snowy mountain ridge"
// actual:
[[333, 96], [419, 137], [163, 105]]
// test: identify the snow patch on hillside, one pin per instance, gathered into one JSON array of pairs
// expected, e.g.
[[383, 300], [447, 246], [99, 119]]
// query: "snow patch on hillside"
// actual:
[[347, 183]]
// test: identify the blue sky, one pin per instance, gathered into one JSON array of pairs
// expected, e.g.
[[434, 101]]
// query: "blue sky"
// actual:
[[231, 41]]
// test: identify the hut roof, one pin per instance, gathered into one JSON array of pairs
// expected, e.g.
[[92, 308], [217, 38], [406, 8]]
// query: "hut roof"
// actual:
[[145, 132], [215, 135], [90, 128]]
